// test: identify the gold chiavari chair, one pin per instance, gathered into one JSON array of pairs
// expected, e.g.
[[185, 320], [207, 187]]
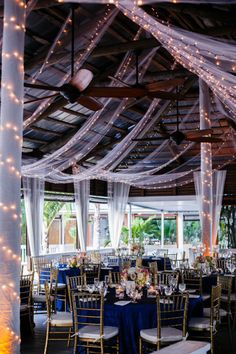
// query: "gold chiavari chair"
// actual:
[[114, 277], [26, 308], [193, 279], [59, 325], [90, 332], [171, 322], [91, 272], [206, 327], [75, 283], [164, 277], [226, 291], [39, 298], [221, 263], [153, 269]]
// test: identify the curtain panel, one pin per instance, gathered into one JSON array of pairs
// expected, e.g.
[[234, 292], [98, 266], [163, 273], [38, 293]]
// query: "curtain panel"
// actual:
[[34, 201], [82, 191], [118, 194]]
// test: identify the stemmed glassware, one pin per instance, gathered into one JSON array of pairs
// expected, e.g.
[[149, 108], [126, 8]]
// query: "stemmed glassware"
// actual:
[[168, 290], [182, 287]]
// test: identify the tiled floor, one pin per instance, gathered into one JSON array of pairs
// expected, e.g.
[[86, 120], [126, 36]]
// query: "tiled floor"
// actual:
[[35, 344]]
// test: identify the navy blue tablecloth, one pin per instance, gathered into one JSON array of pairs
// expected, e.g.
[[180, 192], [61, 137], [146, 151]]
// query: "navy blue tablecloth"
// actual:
[[131, 318]]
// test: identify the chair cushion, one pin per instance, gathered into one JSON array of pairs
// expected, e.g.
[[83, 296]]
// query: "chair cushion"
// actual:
[[41, 298], [186, 347], [60, 286], [62, 319], [206, 297], [168, 334], [199, 323], [93, 332], [225, 297], [207, 312]]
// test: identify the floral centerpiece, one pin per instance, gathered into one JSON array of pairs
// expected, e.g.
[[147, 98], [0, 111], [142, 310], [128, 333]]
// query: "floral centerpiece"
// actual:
[[204, 261], [139, 275], [137, 249]]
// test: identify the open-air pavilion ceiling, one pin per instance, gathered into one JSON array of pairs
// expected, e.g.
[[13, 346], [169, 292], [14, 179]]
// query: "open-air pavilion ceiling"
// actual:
[[55, 126]]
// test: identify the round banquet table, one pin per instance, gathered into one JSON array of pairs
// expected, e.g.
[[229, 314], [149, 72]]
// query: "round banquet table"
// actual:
[[131, 318]]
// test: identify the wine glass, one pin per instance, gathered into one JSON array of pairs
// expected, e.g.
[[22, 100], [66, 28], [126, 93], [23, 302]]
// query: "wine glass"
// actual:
[[168, 290], [182, 287], [105, 262], [96, 282], [106, 279]]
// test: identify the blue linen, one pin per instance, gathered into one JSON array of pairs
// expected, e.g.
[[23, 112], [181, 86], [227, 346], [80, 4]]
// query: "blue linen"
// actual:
[[131, 318]]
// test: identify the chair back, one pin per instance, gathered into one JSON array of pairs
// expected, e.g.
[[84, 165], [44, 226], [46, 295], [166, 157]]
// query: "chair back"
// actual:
[[221, 263], [26, 285], [91, 272], [114, 277], [193, 279], [164, 277], [172, 312], [215, 305], [88, 310], [75, 283], [47, 291], [226, 288]]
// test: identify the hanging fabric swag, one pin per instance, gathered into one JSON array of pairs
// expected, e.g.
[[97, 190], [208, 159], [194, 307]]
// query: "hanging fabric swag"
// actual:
[[118, 194], [82, 191], [34, 200]]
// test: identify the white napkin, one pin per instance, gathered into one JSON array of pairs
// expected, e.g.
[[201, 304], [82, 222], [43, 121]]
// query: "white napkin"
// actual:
[[122, 303], [192, 296]]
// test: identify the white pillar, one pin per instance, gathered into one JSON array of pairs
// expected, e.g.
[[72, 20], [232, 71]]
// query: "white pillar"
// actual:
[[180, 231], [162, 228], [11, 123], [206, 168]]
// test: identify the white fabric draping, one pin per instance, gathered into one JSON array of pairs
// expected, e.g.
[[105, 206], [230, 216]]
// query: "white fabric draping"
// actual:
[[118, 194], [218, 180], [82, 191], [207, 57], [11, 122], [34, 202], [217, 190]]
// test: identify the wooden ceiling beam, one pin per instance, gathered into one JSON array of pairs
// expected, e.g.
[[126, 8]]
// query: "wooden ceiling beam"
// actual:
[[62, 122]]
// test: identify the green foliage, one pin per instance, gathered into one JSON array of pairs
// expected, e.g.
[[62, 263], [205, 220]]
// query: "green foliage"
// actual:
[[192, 232], [51, 209]]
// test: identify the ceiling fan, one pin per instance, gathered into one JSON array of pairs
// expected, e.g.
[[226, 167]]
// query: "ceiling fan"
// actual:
[[198, 136], [78, 89]]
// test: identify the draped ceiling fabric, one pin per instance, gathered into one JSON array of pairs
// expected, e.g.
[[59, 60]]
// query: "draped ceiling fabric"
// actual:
[[211, 59], [34, 201], [11, 122], [118, 194], [82, 191], [217, 190]]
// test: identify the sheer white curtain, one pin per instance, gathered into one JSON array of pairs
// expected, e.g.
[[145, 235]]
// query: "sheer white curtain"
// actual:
[[218, 182], [82, 191], [118, 194], [34, 200]]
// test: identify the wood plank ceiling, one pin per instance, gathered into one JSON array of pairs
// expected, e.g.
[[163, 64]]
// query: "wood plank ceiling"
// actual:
[[54, 127]]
